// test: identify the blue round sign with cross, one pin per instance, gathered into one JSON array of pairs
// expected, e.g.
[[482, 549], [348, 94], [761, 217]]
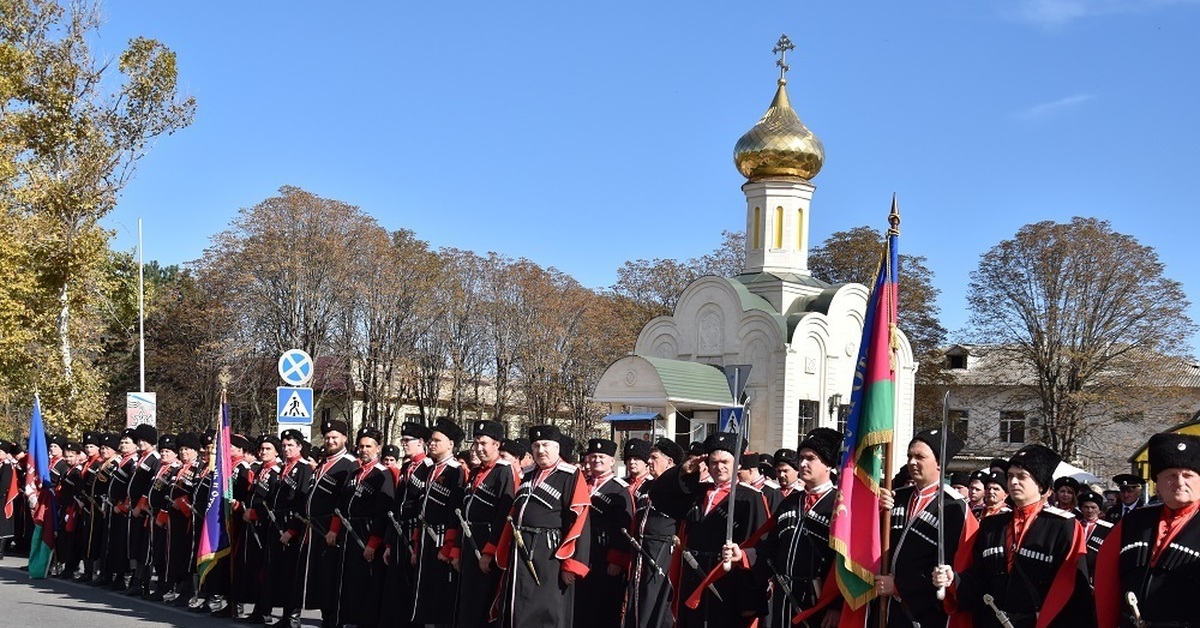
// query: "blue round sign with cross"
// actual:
[[295, 367]]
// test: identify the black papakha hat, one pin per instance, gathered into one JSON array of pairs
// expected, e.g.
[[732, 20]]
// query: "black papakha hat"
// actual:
[[518, 447], [724, 441], [602, 446], [636, 448], [145, 432], [788, 457], [1040, 461], [1067, 480], [933, 438], [491, 429], [959, 478], [272, 439], [449, 429], [189, 440], [293, 435], [825, 442], [1091, 496], [1169, 450], [669, 448], [168, 442], [545, 432], [414, 430], [997, 479], [240, 441], [371, 432], [335, 425], [390, 451]]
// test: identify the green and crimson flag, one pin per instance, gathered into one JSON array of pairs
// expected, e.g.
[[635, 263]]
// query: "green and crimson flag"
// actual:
[[855, 533]]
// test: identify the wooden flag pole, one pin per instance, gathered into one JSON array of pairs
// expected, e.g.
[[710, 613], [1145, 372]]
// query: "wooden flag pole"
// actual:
[[885, 530]]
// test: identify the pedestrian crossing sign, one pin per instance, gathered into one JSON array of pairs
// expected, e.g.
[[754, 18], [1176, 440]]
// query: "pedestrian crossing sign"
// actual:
[[730, 420], [294, 405]]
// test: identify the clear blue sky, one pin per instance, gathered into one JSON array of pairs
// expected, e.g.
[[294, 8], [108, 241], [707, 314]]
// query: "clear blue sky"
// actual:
[[582, 135]]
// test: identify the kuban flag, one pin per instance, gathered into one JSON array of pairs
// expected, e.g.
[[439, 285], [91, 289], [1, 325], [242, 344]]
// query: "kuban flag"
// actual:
[[855, 530], [214, 534], [39, 491]]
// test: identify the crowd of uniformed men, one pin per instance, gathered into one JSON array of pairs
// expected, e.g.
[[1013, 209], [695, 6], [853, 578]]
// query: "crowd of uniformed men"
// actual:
[[514, 533]]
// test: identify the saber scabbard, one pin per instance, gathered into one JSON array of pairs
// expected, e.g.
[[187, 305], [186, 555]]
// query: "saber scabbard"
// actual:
[[526, 557]]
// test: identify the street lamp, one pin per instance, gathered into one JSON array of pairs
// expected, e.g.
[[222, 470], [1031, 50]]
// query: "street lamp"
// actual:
[[835, 404]]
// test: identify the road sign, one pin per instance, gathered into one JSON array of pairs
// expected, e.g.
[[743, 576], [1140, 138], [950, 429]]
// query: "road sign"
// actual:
[[295, 367], [730, 420], [141, 407], [305, 430], [294, 405], [737, 375]]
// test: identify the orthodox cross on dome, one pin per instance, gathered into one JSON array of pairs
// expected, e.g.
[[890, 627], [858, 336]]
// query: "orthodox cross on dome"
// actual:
[[781, 48]]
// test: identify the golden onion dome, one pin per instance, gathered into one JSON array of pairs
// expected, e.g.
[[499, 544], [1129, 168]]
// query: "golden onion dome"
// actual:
[[779, 145]]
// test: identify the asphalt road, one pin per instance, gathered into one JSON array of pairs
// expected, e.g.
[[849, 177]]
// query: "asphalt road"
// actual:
[[32, 603]]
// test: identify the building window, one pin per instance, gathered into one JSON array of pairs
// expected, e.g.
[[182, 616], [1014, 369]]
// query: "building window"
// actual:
[[757, 228], [808, 416], [799, 229], [958, 423], [1012, 427], [956, 361], [779, 227]]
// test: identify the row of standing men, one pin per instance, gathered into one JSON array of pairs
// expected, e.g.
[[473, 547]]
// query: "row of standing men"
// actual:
[[524, 538]]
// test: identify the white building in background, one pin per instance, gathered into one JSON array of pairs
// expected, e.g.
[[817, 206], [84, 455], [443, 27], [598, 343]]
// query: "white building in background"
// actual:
[[994, 406], [799, 334]]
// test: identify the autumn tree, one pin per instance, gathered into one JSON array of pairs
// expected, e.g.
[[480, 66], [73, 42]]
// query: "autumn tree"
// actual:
[[1088, 313], [73, 128], [853, 256], [284, 269], [655, 285]]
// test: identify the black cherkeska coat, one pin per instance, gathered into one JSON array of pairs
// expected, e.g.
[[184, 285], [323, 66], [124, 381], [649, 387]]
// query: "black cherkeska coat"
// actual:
[[702, 536], [550, 510]]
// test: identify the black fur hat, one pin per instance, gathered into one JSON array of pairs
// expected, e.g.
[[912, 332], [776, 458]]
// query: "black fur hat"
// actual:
[[371, 432], [826, 443], [669, 448], [1170, 450], [189, 440], [1091, 496], [168, 442], [491, 429], [270, 438], [602, 446], [1040, 461], [335, 425], [545, 432], [997, 479], [788, 457], [724, 441], [1067, 480], [414, 430], [145, 432], [636, 448], [293, 434], [933, 438], [449, 429], [518, 447], [391, 451]]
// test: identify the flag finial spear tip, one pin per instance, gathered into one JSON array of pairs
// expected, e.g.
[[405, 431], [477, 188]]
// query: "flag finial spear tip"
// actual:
[[894, 216]]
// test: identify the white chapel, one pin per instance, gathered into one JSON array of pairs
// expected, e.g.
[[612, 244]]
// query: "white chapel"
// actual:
[[799, 334]]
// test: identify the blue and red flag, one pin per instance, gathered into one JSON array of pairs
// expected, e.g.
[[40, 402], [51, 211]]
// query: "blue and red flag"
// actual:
[[214, 532], [855, 532], [39, 491]]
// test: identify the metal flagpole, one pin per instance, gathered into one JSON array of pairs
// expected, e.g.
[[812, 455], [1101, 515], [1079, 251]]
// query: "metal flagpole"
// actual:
[[141, 315], [941, 502]]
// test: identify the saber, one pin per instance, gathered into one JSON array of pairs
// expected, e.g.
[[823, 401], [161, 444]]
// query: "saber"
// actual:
[[310, 523], [941, 501], [1001, 616], [524, 552], [395, 524], [733, 482], [787, 588], [349, 529], [1131, 599], [467, 532], [642, 550], [691, 561]]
